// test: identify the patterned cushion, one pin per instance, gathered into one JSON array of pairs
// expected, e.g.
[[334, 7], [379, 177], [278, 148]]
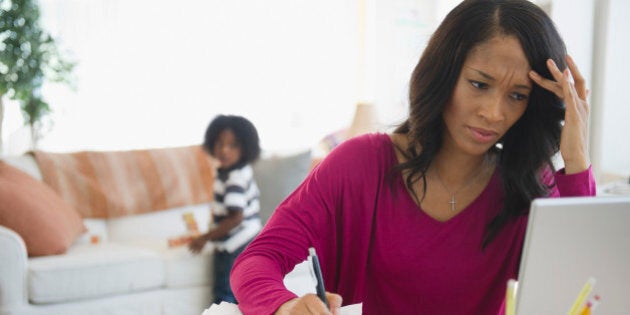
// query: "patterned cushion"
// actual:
[[103, 184]]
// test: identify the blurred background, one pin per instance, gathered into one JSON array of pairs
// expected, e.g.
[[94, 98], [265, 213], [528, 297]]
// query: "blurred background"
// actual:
[[153, 73]]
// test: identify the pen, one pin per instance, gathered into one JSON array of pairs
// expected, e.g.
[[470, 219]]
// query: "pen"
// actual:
[[579, 301], [321, 292]]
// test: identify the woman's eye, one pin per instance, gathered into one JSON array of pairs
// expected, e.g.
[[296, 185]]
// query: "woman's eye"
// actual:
[[478, 85], [518, 96]]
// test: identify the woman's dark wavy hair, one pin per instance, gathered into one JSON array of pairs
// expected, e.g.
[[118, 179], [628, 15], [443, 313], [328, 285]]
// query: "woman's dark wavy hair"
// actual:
[[531, 142], [244, 131]]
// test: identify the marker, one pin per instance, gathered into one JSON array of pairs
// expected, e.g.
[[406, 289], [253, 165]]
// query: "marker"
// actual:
[[510, 295], [590, 306], [579, 301], [321, 292]]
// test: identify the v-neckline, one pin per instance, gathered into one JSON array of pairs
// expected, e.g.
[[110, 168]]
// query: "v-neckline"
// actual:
[[410, 198], [464, 212]]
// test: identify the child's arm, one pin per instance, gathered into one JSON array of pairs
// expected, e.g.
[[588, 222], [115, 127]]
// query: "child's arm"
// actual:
[[233, 219]]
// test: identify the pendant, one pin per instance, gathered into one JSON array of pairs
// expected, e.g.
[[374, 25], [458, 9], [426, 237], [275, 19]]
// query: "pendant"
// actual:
[[452, 202]]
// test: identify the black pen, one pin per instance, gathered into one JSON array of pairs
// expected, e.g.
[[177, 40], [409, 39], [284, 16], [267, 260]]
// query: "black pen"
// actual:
[[321, 292]]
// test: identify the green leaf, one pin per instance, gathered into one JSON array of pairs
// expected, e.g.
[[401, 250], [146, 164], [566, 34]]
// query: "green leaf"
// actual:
[[29, 58]]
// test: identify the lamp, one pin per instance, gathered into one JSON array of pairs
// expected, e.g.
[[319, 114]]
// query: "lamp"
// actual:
[[364, 120]]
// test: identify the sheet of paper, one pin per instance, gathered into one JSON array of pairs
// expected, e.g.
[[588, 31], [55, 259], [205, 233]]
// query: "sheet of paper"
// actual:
[[354, 309], [225, 308]]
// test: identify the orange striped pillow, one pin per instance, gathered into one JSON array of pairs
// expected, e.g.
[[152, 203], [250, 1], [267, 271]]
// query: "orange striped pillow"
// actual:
[[105, 184]]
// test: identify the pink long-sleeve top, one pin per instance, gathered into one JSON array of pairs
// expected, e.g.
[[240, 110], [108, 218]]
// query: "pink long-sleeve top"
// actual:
[[377, 247]]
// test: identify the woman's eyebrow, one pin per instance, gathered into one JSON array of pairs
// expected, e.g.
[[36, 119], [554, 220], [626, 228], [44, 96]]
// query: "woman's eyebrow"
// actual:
[[491, 78]]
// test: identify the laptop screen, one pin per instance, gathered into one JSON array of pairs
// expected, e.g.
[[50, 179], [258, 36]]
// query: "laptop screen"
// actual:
[[569, 241]]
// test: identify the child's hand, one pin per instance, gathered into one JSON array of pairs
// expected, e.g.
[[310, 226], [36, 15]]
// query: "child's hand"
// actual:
[[197, 244]]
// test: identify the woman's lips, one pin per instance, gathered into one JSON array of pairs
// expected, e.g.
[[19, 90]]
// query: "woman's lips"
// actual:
[[483, 135]]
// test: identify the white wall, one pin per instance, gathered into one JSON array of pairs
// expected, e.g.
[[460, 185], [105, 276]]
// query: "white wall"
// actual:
[[401, 31], [615, 105], [596, 34]]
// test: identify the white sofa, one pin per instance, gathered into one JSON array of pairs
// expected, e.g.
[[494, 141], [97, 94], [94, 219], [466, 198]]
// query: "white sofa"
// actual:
[[131, 270]]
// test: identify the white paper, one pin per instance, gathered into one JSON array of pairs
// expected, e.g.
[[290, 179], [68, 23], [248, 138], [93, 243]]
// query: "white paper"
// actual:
[[226, 308]]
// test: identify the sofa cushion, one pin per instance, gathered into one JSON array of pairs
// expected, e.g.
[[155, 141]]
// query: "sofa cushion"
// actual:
[[181, 267], [88, 271], [47, 223]]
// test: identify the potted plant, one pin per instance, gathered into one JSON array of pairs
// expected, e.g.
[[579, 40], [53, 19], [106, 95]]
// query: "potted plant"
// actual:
[[29, 58]]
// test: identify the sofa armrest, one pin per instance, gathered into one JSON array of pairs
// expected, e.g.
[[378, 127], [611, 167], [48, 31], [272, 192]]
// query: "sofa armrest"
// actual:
[[13, 269]]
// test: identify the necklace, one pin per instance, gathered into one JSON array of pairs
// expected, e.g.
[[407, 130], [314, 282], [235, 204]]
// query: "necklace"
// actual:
[[470, 180]]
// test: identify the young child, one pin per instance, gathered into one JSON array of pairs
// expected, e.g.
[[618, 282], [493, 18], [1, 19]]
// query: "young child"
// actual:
[[233, 142]]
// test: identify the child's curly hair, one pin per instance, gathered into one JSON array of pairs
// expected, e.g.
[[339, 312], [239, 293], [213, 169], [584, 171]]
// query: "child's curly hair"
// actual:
[[245, 132]]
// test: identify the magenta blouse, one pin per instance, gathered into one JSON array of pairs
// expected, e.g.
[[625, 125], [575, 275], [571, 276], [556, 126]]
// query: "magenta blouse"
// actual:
[[377, 247]]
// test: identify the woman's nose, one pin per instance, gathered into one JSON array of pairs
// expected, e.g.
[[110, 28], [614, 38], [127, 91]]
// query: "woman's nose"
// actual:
[[492, 109]]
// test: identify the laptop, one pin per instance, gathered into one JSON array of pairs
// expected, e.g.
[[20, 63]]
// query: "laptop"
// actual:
[[568, 241]]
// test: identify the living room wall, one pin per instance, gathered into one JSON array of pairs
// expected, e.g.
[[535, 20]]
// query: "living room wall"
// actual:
[[595, 33]]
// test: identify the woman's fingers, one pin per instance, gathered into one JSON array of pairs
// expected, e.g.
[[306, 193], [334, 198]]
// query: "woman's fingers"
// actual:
[[570, 86], [334, 301], [574, 91], [549, 85], [578, 78], [557, 86], [556, 73], [571, 98], [311, 304]]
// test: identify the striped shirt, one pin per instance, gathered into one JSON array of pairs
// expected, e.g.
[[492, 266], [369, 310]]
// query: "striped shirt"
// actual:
[[236, 190]]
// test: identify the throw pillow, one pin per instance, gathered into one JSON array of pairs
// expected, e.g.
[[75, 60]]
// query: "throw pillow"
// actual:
[[47, 224], [110, 184]]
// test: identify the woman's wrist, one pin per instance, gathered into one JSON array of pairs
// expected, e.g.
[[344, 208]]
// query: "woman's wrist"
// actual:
[[574, 167]]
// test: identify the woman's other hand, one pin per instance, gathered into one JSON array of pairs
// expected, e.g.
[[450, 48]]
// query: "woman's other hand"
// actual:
[[569, 85], [311, 304]]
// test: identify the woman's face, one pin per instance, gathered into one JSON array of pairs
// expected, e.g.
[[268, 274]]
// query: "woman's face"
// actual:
[[490, 95], [227, 149]]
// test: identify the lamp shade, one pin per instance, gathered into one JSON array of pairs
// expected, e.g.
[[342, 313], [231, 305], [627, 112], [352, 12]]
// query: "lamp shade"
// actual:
[[364, 120]]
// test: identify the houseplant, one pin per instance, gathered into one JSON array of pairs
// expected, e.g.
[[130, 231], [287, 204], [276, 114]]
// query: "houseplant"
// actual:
[[29, 58]]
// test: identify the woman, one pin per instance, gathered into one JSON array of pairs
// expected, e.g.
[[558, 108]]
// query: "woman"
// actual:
[[431, 219]]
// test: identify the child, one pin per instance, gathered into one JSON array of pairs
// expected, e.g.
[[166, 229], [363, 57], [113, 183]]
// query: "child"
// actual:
[[233, 142]]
